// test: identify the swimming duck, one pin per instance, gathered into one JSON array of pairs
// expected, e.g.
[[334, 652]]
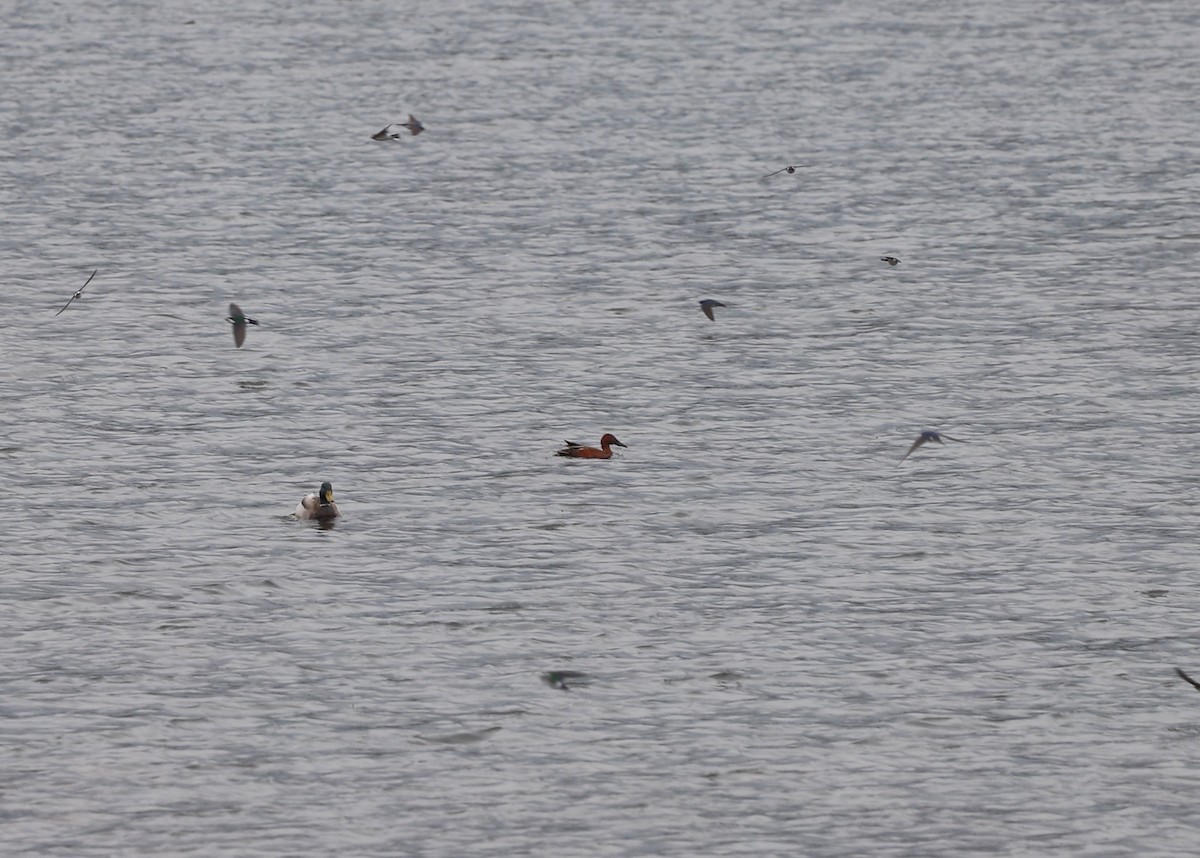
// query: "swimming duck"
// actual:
[[890, 260], [318, 507], [925, 438], [579, 451], [78, 293], [239, 320], [707, 306]]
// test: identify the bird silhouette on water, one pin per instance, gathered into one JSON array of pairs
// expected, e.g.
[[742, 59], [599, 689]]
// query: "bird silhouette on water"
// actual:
[[927, 437], [1188, 679], [559, 678], [707, 306], [78, 293], [788, 169], [890, 260], [239, 320], [413, 125]]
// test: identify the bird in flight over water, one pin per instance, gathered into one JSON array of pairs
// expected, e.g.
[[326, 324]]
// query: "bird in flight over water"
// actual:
[[78, 293], [239, 320], [926, 437], [559, 678], [788, 169], [413, 125], [890, 260], [1188, 679], [707, 306]]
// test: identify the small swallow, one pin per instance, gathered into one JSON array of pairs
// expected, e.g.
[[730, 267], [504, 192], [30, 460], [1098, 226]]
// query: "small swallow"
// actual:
[[413, 125], [707, 306], [925, 438], [239, 320], [1188, 679], [790, 169], [558, 679], [890, 260], [78, 294]]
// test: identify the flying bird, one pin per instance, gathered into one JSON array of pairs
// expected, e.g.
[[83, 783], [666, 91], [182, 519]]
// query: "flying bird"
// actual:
[[413, 125], [574, 450], [707, 306], [239, 320], [318, 507], [1188, 679], [789, 169], [925, 438], [558, 679], [890, 260], [78, 294]]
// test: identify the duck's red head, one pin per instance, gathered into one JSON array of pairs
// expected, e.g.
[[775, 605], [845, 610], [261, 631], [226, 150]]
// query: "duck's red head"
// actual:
[[609, 440]]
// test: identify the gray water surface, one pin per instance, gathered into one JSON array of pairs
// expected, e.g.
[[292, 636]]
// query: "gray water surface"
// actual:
[[793, 645]]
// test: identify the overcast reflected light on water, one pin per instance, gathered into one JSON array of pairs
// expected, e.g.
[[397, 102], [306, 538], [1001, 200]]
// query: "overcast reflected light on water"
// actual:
[[754, 631]]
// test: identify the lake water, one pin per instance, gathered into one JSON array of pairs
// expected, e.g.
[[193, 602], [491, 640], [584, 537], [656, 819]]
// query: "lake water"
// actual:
[[792, 644]]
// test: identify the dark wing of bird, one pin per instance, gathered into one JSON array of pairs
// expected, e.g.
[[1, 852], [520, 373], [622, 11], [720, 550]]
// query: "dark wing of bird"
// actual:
[[238, 318], [1188, 679], [78, 292], [917, 443]]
